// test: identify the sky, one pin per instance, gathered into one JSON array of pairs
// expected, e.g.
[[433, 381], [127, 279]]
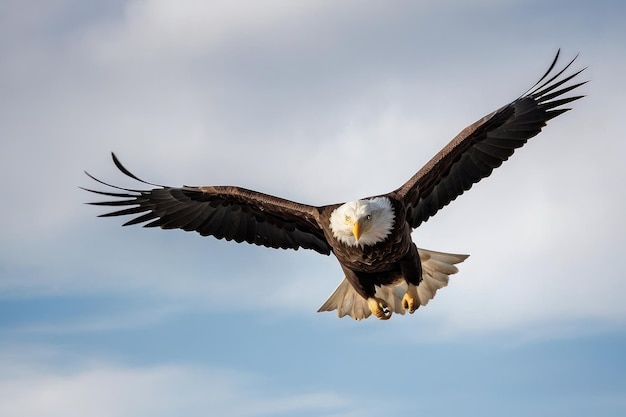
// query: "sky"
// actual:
[[319, 102]]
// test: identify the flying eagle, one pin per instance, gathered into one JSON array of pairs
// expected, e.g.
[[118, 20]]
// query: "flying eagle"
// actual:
[[384, 270]]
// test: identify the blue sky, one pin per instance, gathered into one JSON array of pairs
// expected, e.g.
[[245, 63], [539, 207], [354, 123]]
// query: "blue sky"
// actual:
[[319, 102]]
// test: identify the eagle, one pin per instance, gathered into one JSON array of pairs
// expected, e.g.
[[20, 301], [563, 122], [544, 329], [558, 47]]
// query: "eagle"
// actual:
[[384, 271]]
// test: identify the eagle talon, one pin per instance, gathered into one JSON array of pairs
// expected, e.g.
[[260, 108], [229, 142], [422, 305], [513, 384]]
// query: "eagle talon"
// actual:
[[411, 301], [379, 308]]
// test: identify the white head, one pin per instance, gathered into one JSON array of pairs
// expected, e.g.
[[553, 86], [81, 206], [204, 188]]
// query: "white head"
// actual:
[[362, 222]]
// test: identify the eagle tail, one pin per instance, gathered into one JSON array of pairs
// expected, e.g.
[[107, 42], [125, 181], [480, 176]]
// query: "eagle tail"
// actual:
[[436, 269]]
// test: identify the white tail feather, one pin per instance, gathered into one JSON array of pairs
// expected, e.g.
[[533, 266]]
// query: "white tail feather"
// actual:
[[436, 268]]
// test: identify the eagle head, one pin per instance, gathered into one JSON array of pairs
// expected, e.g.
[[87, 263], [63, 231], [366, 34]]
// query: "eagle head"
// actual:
[[362, 222]]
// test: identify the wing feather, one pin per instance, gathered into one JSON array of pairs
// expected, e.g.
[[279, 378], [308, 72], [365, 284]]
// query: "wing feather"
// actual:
[[483, 146], [225, 212]]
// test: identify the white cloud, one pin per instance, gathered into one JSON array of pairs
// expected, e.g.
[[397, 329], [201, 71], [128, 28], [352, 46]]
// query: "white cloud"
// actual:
[[96, 388], [164, 30]]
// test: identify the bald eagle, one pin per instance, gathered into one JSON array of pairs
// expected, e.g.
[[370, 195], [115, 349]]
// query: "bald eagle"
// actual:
[[384, 270]]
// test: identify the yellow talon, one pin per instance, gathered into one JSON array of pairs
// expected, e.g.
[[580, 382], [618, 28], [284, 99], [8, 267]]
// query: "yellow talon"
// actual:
[[411, 300], [379, 308]]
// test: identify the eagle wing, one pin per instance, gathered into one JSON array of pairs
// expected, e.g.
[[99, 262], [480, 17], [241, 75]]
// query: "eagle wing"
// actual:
[[225, 212], [479, 148]]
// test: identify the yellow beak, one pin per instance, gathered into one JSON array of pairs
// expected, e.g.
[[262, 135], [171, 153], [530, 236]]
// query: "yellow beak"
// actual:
[[356, 230]]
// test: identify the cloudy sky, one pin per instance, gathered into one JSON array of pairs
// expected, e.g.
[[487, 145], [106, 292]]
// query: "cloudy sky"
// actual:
[[320, 102]]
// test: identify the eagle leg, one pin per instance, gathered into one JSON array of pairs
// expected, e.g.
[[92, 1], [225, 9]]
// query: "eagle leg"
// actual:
[[379, 308], [411, 300]]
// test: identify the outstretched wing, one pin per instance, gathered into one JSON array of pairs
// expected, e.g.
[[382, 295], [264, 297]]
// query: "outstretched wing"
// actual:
[[484, 145], [225, 212]]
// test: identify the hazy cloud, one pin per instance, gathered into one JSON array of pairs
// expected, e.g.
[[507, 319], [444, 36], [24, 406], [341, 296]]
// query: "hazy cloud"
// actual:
[[28, 388]]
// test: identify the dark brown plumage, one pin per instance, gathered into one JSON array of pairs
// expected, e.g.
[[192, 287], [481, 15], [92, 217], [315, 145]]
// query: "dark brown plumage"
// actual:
[[380, 266]]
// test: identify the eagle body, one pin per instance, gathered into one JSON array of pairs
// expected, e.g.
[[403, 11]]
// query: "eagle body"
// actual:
[[384, 271], [381, 263], [377, 257]]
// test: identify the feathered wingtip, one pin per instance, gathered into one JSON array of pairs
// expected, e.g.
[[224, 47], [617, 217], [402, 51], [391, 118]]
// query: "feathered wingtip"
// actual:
[[125, 171], [547, 88], [129, 196]]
